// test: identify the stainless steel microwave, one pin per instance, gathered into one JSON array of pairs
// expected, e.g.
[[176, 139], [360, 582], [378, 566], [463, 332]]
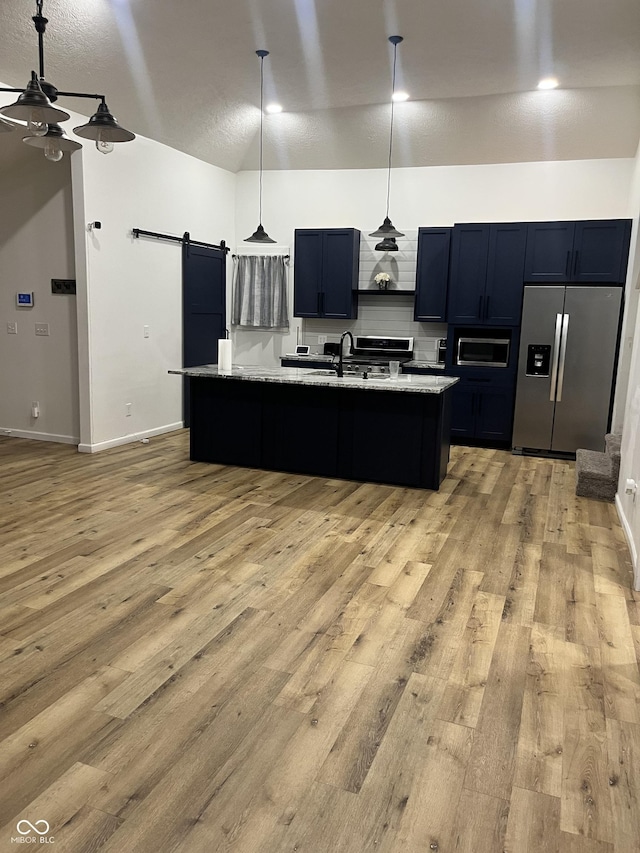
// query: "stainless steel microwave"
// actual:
[[483, 352]]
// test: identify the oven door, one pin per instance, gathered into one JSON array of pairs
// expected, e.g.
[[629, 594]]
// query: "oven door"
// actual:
[[483, 352]]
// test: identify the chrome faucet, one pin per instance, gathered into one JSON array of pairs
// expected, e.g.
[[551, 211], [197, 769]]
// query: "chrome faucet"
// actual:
[[340, 367]]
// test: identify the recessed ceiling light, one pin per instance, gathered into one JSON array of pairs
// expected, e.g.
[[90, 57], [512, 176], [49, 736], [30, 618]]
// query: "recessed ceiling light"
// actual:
[[400, 96], [274, 108], [548, 83]]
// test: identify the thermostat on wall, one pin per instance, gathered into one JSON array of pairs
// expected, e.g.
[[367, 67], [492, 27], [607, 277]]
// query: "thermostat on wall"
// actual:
[[24, 300]]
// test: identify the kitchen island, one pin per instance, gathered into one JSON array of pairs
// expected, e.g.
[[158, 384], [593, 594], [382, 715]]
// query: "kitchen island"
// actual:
[[380, 429]]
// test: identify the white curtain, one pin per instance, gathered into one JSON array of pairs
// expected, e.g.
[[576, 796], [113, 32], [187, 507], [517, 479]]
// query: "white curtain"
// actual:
[[260, 292]]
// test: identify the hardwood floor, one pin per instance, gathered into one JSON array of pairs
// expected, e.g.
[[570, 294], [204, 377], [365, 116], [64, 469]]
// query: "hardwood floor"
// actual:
[[202, 658]]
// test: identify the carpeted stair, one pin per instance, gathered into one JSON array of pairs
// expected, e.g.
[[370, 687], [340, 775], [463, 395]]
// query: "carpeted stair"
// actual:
[[597, 473]]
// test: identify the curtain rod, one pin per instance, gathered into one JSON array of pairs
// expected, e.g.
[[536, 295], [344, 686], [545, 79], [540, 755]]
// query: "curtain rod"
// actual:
[[248, 254], [186, 238]]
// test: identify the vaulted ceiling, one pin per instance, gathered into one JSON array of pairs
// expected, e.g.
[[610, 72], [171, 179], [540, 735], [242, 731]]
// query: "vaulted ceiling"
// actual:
[[185, 73]]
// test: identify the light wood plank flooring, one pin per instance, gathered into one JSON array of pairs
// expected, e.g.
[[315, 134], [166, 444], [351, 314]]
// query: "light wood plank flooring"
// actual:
[[202, 658]]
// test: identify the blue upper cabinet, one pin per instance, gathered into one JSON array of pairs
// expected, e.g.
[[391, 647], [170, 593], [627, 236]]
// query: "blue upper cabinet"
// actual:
[[326, 265], [432, 275], [593, 251], [469, 256], [601, 251], [307, 273], [487, 263], [503, 292]]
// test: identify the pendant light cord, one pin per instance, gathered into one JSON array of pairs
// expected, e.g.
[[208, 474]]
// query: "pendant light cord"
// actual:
[[393, 89], [261, 120]]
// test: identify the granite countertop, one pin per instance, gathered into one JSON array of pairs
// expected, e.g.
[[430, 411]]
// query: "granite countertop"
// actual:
[[311, 357], [296, 376], [430, 365]]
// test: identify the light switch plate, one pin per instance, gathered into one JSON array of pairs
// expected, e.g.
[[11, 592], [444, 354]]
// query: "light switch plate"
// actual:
[[42, 329], [12, 328]]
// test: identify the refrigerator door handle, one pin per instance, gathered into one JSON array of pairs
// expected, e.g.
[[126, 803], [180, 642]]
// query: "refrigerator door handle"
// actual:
[[563, 355], [555, 358]]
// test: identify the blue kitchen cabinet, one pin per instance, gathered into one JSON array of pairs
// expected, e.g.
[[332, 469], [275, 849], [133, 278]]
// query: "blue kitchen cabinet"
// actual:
[[482, 409], [601, 251], [504, 289], [590, 251], [432, 275], [486, 282], [326, 265], [469, 257], [463, 411]]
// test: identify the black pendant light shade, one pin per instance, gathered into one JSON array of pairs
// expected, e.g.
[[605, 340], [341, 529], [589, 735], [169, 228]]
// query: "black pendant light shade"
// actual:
[[33, 105], [103, 127], [387, 230], [260, 235], [55, 142], [387, 245]]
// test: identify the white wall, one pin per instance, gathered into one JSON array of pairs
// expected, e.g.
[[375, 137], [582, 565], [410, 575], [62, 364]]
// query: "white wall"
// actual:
[[443, 195], [132, 283], [36, 245], [630, 457]]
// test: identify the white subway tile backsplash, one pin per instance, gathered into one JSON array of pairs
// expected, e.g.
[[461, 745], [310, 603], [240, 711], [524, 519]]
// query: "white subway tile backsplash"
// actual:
[[383, 315]]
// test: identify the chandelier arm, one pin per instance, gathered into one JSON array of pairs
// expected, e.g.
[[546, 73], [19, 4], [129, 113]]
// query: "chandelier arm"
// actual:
[[11, 90], [102, 98]]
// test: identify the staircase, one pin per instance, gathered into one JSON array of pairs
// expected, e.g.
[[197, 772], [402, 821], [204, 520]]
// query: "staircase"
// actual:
[[597, 473]]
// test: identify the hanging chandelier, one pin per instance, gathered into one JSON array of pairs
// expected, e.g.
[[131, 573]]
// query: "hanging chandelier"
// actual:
[[260, 235], [35, 106], [387, 230]]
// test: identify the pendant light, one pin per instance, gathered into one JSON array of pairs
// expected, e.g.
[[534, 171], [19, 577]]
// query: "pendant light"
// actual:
[[260, 235], [35, 106], [386, 230], [54, 143]]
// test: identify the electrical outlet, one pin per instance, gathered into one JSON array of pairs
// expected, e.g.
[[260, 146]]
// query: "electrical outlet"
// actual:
[[146, 331], [42, 329], [127, 408], [322, 339], [35, 409], [12, 328]]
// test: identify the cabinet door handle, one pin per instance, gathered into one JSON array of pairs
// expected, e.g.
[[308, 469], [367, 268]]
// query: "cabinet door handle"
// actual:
[[576, 266], [486, 307], [566, 266], [480, 307], [318, 303]]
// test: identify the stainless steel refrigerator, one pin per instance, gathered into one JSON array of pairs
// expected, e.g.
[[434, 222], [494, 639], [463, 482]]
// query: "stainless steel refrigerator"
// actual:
[[568, 347]]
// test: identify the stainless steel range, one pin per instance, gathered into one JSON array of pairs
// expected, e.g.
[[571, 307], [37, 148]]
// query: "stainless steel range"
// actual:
[[372, 353]]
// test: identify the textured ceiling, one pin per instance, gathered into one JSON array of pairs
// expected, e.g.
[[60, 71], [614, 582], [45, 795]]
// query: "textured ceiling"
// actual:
[[185, 73]]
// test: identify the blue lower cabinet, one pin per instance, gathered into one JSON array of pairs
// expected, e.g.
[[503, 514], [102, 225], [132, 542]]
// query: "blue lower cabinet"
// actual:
[[494, 417], [482, 410], [463, 412]]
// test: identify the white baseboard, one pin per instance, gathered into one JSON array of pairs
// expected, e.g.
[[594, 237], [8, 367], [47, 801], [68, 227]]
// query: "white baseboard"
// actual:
[[128, 439], [632, 546], [9, 432]]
